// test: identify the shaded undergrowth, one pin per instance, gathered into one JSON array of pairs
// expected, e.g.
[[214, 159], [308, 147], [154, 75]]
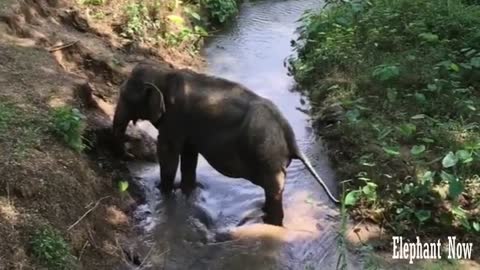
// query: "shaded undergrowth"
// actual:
[[395, 89]]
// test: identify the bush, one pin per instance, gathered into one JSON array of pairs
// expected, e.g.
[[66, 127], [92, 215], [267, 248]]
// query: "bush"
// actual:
[[138, 21], [49, 247], [69, 124], [220, 11], [147, 21], [407, 74]]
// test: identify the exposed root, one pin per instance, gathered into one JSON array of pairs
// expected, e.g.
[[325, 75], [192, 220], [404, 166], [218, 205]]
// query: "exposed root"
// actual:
[[63, 46]]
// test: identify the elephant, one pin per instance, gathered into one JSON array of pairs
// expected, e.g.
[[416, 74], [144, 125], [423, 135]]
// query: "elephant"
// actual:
[[239, 133]]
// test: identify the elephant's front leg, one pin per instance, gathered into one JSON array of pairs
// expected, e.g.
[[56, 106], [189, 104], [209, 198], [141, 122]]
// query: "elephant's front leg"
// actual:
[[188, 168], [168, 158]]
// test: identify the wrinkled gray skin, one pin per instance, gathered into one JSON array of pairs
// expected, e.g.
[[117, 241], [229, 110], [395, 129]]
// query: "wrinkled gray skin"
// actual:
[[240, 134]]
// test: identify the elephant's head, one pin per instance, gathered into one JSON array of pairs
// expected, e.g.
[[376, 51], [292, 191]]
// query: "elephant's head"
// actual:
[[141, 98]]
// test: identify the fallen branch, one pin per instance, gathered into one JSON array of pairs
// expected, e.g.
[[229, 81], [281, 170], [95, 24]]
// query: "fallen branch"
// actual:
[[62, 46], [83, 250], [86, 213]]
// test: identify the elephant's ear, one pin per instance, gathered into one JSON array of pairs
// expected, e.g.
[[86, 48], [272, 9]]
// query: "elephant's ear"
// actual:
[[155, 102]]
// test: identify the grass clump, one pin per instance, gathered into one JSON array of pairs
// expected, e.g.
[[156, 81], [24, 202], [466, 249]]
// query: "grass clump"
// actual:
[[69, 124], [7, 113], [50, 248], [20, 130], [92, 2], [406, 75]]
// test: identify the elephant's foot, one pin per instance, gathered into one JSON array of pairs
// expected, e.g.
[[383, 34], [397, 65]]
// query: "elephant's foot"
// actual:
[[272, 216], [166, 188], [273, 220], [187, 188], [273, 211]]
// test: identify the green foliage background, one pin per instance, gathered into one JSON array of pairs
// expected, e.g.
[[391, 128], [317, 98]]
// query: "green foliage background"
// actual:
[[406, 75]]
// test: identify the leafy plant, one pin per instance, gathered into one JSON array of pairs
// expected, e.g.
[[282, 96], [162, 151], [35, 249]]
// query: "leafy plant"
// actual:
[[386, 72], [136, 20], [220, 11], [49, 247], [183, 30], [69, 124], [184, 34]]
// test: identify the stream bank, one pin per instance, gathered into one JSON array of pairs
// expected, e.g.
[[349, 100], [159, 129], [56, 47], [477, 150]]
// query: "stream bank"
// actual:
[[60, 202]]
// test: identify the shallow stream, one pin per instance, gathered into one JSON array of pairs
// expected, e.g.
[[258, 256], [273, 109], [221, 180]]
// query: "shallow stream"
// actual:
[[220, 226]]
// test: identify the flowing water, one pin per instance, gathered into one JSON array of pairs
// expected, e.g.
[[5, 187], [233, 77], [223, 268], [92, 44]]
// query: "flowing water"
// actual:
[[220, 226]]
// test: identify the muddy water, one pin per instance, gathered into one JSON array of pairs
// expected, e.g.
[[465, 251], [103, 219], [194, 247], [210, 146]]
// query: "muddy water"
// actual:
[[220, 226]]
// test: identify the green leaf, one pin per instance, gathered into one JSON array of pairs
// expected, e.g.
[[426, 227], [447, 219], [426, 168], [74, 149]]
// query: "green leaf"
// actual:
[[476, 226], [470, 52], [352, 115], [471, 108], [423, 215], [454, 67], [200, 30], [420, 98], [368, 164], [430, 37], [464, 156], [123, 186], [418, 116], [352, 197], [386, 72], [427, 177], [455, 189], [449, 160], [427, 140], [432, 87], [475, 62], [370, 191], [179, 21], [407, 130], [459, 212], [391, 94], [447, 177], [417, 149], [391, 151]]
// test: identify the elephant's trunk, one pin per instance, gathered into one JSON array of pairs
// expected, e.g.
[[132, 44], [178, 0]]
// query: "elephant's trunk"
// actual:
[[121, 119]]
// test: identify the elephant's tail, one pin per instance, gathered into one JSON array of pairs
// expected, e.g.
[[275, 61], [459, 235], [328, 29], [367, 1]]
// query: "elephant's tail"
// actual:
[[299, 155]]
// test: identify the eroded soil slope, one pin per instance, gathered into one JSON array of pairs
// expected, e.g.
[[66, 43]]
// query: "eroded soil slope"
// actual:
[[51, 56]]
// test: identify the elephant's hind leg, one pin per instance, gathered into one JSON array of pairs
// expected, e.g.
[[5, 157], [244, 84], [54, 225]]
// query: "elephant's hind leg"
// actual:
[[273, 186], [188, 168], [168, 158]]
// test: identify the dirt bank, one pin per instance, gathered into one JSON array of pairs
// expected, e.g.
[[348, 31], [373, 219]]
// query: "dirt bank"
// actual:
[[51, 55]]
